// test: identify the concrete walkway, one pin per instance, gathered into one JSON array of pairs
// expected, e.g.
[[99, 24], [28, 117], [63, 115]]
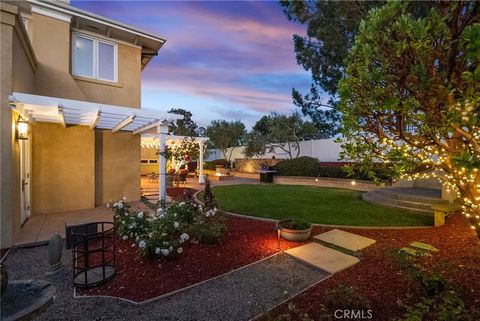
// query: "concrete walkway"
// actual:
[[239, 295], [40, 227]]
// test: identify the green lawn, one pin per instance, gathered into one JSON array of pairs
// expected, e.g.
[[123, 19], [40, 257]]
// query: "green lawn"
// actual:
[[313, 204]]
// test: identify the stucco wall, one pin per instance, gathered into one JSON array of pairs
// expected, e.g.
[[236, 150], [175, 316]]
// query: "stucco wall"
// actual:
[[63, 168], [117, 160], [52, 45], [16, 74], [127, 91], [149, 153], [253, 165]]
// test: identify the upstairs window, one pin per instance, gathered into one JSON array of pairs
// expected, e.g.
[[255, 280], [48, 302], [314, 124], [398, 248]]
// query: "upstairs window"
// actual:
[[94, 58]]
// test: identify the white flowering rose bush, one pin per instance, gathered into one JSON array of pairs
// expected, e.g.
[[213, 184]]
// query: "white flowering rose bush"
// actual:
[[162, 234]]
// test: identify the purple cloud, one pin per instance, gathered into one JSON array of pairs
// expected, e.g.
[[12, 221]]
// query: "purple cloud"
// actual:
[[224, 59]]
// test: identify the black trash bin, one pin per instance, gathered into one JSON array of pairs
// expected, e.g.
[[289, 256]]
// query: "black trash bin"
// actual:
[[266, 176]]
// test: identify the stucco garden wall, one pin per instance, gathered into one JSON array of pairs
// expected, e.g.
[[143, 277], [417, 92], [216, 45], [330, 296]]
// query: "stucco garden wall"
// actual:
[[253, 165], [326, 182]]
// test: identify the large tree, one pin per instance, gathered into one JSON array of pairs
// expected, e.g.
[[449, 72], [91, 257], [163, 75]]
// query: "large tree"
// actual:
[[226, 136], [411, 95], [184, 126], [331, 29], [279, 134]]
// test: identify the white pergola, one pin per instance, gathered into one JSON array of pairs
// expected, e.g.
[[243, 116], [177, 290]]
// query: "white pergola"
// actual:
[[67, 112], [154, 141]]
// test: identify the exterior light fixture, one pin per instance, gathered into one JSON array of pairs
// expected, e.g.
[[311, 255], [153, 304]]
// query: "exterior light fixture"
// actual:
[[353, 183], [22, 129]]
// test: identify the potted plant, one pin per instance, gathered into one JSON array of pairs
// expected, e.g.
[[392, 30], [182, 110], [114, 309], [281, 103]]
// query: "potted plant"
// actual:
[[295, 230]]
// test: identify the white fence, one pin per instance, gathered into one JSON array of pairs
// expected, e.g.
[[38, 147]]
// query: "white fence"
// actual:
[[326, 150]]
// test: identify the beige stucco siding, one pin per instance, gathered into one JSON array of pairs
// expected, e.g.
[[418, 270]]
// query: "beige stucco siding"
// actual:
[[63, 167], [52, 45], [127, 91], [117, 162], [23, 73]]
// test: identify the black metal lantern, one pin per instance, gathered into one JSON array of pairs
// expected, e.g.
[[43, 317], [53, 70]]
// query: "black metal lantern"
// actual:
[[22, 129]]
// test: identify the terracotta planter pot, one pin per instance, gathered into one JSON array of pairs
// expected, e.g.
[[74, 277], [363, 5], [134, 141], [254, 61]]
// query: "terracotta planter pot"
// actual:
[[296, 235]]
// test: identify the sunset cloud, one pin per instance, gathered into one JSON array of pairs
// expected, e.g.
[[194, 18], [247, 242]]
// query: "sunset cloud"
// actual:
[[231, 60]]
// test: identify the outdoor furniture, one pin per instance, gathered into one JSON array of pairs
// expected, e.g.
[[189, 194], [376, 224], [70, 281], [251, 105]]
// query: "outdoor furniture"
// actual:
[[153, 178], [442, 210], [93, 254], [266, 176]]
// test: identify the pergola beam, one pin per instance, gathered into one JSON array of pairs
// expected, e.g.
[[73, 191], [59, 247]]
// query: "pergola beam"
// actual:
[[95, 120], [123, 123], [147, 127], [62, 116]]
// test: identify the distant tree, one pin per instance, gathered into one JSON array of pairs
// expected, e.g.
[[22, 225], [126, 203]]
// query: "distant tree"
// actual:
[[201, 132], [411, 95], [325, 120], [226, 136], [278, 132], [331, 30], [184, 126]]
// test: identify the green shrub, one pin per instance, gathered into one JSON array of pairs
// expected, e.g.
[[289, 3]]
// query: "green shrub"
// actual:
[[294, 224], [301, 166], [209, 166], [311, 167], [208, 233], [446, 306], [344, 298]]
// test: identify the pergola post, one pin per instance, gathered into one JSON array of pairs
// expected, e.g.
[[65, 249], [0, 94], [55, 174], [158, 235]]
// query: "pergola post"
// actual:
[[201, 178], [162, 131]]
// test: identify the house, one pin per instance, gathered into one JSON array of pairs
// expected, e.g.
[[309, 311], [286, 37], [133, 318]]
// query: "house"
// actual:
[[70, 110]]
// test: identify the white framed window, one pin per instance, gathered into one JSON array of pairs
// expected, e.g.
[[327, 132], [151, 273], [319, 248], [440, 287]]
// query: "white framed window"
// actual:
[[94, 58]]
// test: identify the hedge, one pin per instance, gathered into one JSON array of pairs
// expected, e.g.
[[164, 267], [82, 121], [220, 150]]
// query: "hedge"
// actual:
[[310, 167], [212, 164]]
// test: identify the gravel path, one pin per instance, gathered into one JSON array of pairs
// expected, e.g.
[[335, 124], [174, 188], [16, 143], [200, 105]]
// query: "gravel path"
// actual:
[[240, 295]]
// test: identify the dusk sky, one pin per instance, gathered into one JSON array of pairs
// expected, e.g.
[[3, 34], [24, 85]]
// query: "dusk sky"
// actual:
[[222, 60]]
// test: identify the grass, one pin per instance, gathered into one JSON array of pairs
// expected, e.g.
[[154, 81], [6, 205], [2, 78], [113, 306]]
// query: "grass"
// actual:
[[313, 204]]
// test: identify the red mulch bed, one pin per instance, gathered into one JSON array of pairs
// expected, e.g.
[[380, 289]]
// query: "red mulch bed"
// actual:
[[139, 278], [379, 278], [180, 192]]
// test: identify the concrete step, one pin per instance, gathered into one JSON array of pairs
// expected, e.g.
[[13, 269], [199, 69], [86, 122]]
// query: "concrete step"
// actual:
[[403, 199], [421, 195]]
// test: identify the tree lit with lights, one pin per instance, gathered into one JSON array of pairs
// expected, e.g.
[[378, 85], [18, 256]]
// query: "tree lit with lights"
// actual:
[[411, 96]]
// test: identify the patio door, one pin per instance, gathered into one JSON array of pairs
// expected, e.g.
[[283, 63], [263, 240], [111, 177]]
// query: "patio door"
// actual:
[[25, 163]]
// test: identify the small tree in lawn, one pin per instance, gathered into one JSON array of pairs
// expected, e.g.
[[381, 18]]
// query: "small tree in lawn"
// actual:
[[226, 136], [278, 134], [411, 95]]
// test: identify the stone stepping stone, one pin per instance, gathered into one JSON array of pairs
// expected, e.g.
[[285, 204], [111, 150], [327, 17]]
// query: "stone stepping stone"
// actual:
[[414, 252], [346, 240], [424, 246], [323, 257]]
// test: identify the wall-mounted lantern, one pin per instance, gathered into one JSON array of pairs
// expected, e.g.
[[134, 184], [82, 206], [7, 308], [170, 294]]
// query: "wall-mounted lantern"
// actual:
[[22, 129]]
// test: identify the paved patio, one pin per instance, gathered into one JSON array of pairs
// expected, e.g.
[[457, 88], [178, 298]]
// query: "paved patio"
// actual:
[[40, 227], [150, 189]]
